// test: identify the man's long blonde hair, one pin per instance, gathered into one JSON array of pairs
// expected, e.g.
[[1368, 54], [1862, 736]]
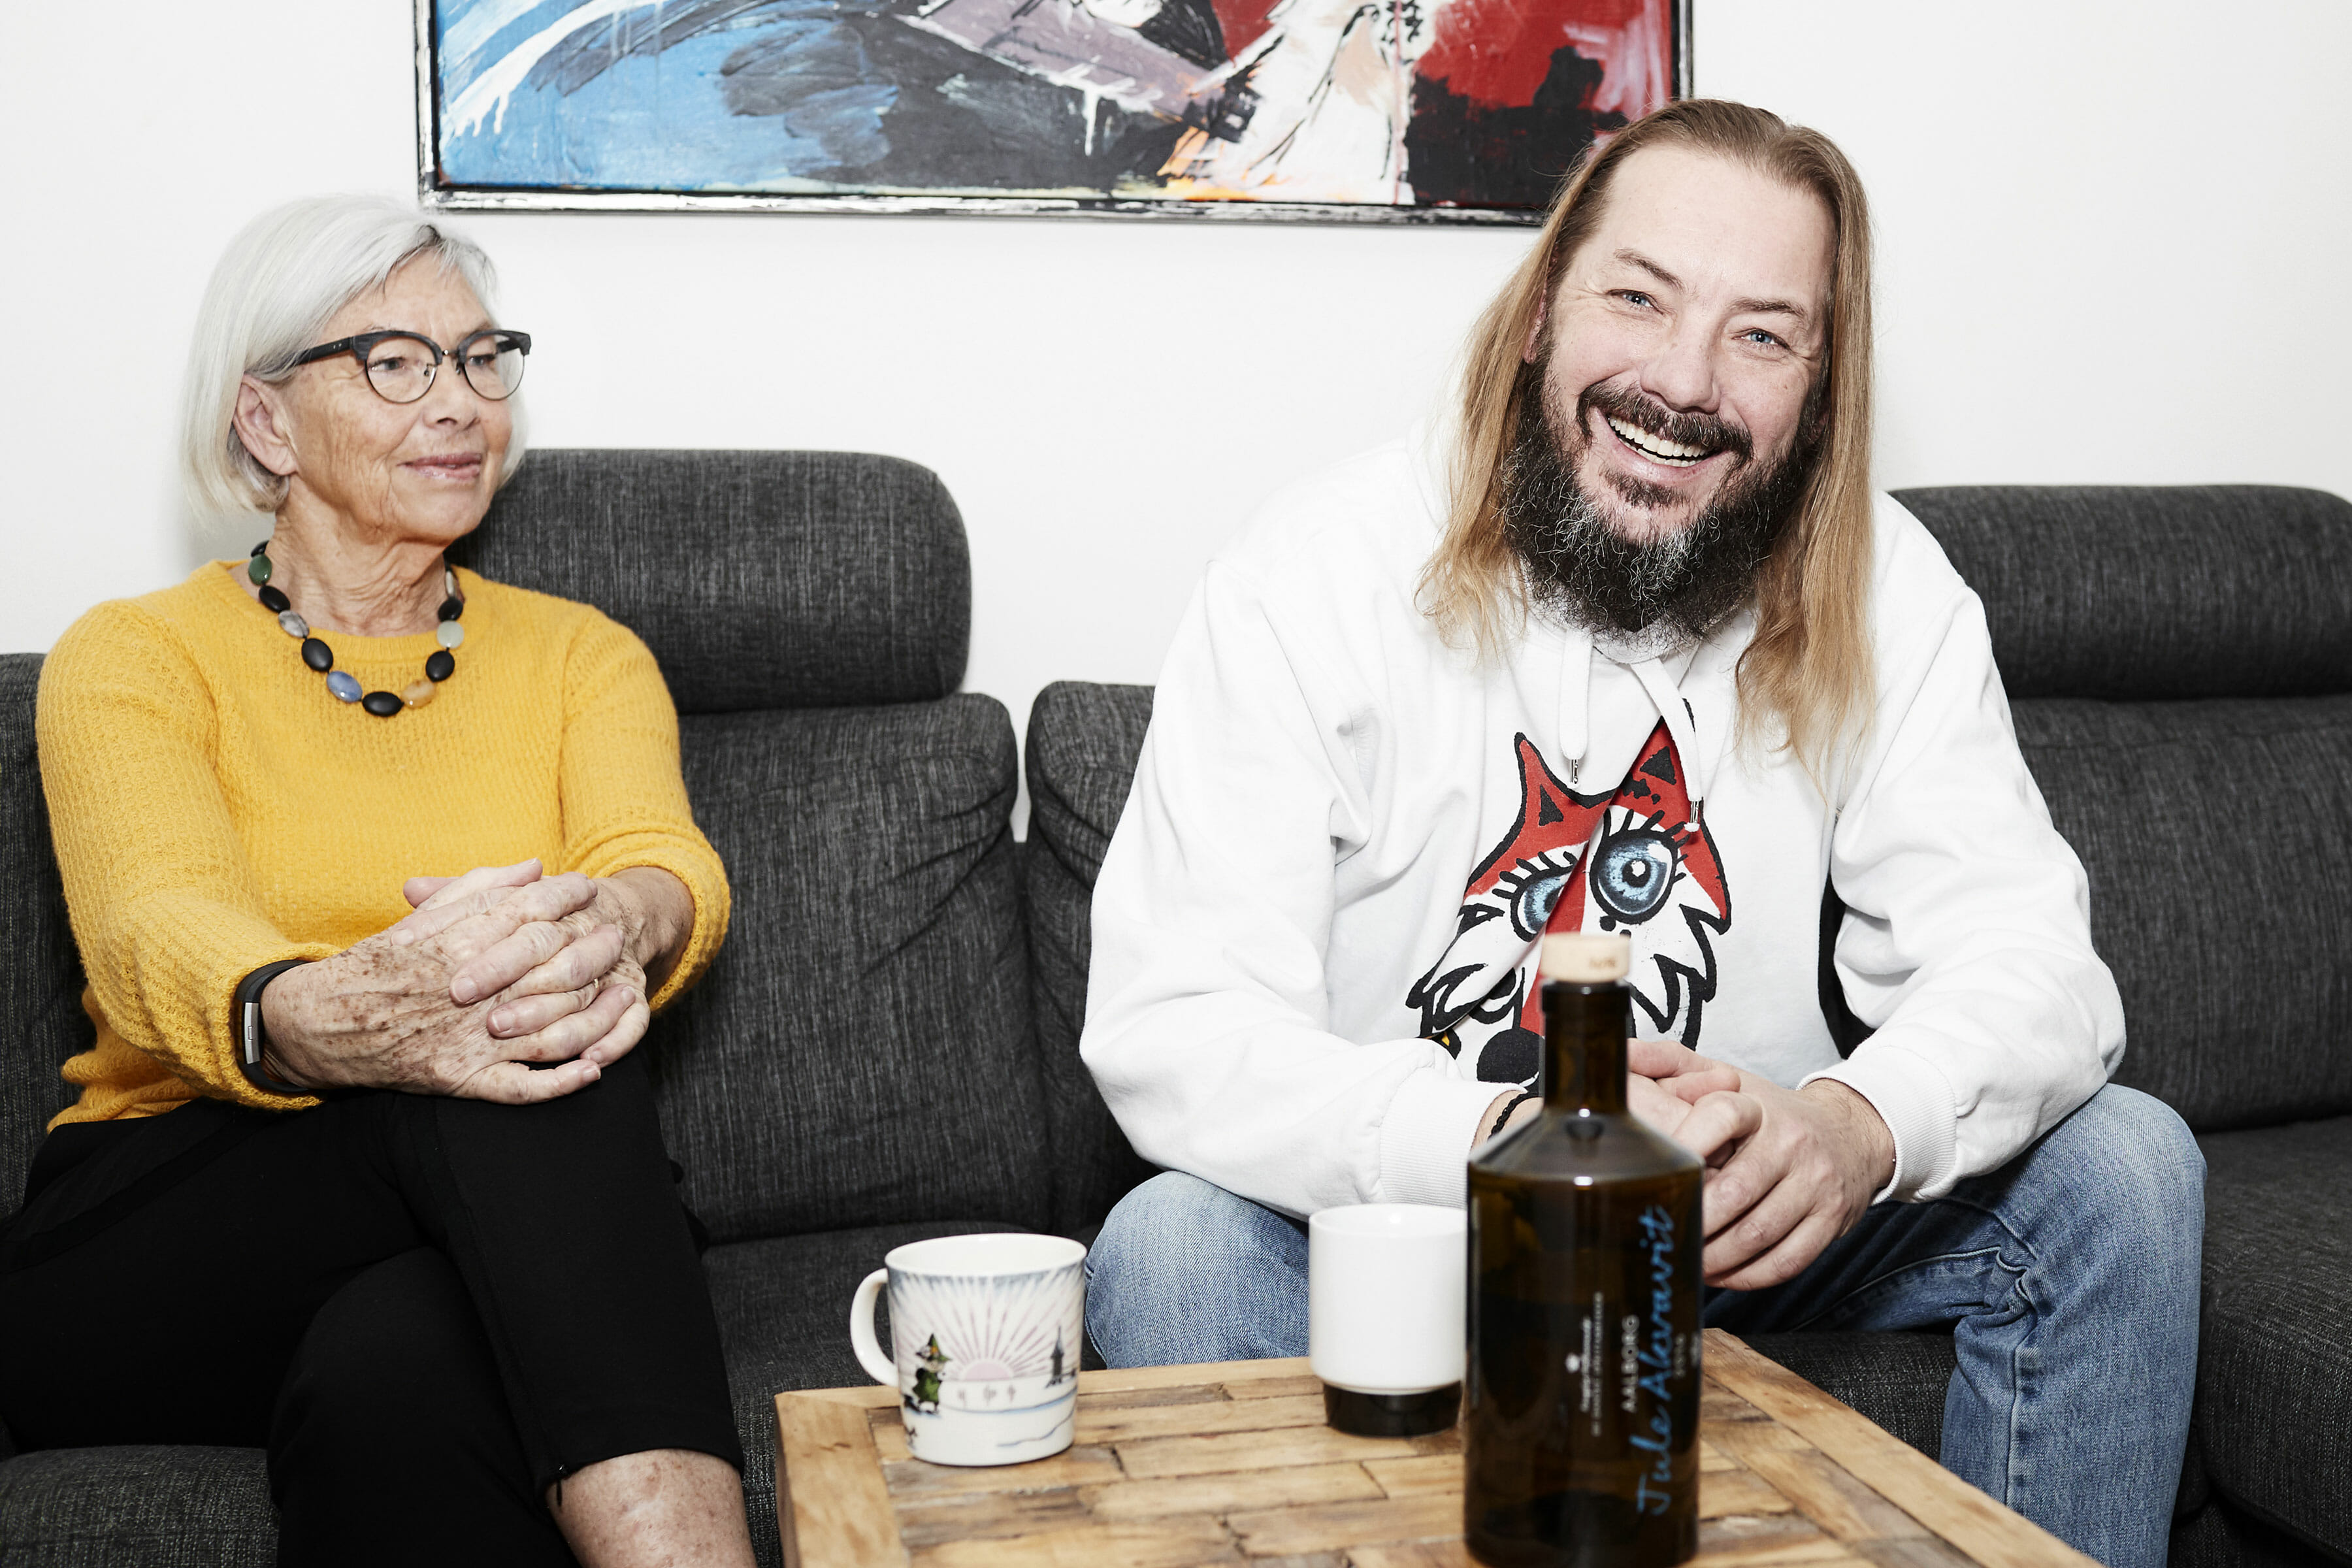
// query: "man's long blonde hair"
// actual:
[[1809, 671]]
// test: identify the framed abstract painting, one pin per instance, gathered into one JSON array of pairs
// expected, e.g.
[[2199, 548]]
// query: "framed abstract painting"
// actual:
[[1385, 110]]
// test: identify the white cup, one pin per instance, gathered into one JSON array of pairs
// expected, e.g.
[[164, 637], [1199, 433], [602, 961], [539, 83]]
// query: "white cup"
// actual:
[[1385, 1284], [986, 1333]]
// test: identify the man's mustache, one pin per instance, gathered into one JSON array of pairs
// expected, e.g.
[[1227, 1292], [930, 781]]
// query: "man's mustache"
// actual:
[[1644, 414], [1684, 582]]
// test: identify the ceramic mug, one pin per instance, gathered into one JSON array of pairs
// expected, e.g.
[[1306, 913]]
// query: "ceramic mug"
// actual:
[[1385, 1288], [985, 1332]]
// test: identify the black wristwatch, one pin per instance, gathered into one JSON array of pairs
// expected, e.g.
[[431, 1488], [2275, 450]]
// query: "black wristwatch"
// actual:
[[244, 1015]]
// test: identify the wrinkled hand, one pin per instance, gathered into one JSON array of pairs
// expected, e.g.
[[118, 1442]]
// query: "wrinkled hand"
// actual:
[[516, 918], [542, 950], [502, 969], [379, 1016]]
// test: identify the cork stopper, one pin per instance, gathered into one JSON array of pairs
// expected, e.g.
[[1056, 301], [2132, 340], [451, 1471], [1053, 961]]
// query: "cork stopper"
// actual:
[[1587, 958]]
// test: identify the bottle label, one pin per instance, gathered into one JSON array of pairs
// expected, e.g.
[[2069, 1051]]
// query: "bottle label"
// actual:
[[1652, 1360]]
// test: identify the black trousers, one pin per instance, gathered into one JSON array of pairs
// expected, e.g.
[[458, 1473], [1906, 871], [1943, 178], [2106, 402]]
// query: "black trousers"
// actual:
[[427, 1310]]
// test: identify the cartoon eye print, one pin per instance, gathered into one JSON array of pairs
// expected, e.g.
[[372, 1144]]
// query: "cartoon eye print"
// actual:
[[1533, 889], [1633, 868]]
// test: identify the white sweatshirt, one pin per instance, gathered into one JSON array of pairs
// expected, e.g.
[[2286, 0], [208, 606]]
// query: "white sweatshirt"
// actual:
[[1314, 932]]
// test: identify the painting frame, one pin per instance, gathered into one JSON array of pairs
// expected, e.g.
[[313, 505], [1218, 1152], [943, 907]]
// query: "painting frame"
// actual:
[[436, 192]]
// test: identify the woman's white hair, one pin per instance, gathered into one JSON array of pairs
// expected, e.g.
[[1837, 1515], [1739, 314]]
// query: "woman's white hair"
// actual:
[[281, 281]]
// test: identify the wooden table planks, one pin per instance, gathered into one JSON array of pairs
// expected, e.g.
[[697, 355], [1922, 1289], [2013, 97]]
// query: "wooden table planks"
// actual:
[[1178, 1466]]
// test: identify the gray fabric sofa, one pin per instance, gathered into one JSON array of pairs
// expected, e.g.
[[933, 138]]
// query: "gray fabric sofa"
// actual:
[[887, 1050]]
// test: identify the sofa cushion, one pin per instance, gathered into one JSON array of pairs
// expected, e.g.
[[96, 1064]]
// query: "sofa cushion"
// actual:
[[759, 578], [2274, 1365], [2145, 592], [2218, 837], [860, 1051], [41, 983], [1897, 1380], [1082, 742], [783, 1316], [137, 1508], [2221, 1536]]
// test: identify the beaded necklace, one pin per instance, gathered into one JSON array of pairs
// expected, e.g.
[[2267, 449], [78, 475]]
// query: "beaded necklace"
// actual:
[[345, 686]]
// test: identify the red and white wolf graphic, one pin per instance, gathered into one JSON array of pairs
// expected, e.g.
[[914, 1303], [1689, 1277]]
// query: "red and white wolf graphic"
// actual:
[[1632, 860]]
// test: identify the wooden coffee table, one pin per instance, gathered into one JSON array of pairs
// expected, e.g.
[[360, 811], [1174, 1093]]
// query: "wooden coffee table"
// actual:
[[1175, 1465]]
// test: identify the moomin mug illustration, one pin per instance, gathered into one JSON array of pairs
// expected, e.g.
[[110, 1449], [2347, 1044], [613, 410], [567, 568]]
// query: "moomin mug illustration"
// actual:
[[985, 1332]]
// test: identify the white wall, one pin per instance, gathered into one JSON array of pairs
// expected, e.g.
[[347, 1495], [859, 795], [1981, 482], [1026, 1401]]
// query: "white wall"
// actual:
[[2111, 237]]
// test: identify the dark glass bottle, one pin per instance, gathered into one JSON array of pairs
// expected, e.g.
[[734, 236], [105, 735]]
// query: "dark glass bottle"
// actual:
[[1581, 1419]]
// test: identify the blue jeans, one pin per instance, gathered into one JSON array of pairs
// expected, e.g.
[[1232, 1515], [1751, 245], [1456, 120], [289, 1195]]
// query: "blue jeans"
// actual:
[[2069, 1279]]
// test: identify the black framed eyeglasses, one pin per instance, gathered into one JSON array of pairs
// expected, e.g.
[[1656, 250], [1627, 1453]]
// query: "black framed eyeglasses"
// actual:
[[400, 366]]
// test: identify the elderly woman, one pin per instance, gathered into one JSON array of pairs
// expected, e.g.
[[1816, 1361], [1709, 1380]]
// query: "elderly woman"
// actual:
[[379, 1189]]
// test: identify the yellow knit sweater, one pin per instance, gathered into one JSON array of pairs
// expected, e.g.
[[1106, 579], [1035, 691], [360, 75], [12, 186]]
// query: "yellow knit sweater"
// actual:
[[215, 808]]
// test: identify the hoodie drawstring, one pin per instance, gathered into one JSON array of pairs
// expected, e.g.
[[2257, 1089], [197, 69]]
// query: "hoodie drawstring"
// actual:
[[1677, 715], [1575, 701], [1576, 655]]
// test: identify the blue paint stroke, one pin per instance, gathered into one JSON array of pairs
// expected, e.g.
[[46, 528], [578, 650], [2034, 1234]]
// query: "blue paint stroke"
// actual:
[[770, 95]]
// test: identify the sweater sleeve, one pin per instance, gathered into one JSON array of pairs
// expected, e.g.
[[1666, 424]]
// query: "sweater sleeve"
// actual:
[[163, 899], [1967, 941], [624, 801], [1207, 1005]]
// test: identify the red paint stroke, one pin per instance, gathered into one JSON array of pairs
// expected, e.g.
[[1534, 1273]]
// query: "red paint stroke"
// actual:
[[1244, 23], [1496, 52]]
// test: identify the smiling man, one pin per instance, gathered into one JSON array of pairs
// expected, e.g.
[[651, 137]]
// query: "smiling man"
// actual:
[[1632, 645]]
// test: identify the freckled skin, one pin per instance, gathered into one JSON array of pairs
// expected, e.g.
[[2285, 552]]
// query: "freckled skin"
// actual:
[[1730, 238], [387, 1021], [554, 970]]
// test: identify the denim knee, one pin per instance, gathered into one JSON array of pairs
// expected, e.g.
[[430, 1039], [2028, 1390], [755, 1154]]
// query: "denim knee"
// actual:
[[1179, 1221], [2140, 1155], [1186, 1271], [2125, 1184]]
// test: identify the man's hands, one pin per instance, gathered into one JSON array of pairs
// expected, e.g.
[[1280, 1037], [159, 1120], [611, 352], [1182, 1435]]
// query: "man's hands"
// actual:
[[1666, 1106], [1795, 1185], [1788, 1169], [498, 970]]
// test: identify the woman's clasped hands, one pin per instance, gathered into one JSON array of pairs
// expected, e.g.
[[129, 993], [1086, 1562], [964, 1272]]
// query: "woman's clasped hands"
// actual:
[[504, 984]]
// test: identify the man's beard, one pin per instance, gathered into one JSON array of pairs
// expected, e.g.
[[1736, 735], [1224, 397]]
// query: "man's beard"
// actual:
[[1674, 588]]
